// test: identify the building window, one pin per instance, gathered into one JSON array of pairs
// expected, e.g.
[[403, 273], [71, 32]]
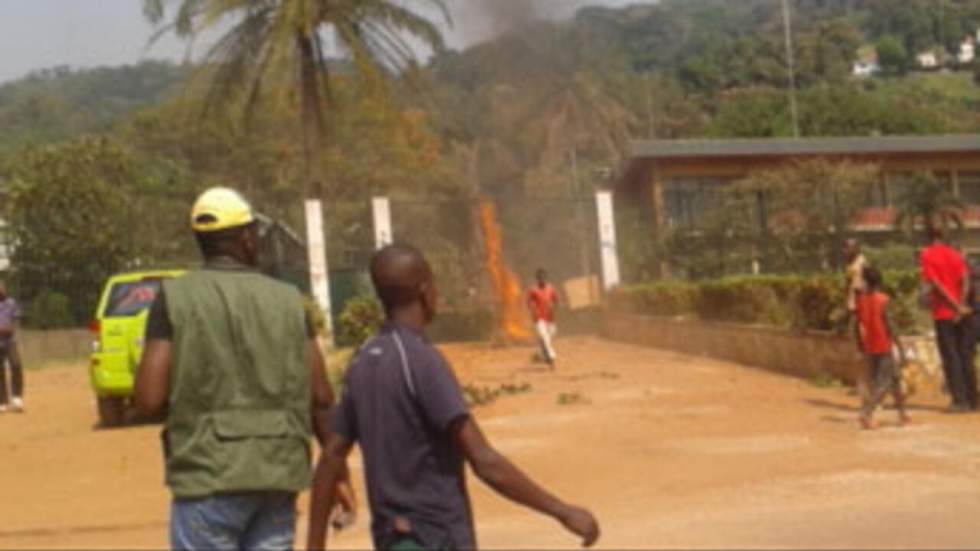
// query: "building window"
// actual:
[[898, 182], [970, 187], [877, 195], [687, 199]]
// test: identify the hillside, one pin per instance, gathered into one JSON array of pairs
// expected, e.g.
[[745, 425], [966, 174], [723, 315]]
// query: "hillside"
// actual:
[[60, 103], [519, 103]]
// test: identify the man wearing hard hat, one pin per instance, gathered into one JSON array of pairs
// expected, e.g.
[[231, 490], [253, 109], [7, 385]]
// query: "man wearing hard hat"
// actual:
[[231, 358]]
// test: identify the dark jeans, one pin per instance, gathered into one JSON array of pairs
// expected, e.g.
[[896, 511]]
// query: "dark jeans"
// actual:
[[10, 354], [885, 379], [955, 344]]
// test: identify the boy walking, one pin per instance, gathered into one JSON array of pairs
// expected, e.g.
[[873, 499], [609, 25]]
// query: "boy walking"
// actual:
[[542, 300], [404, 407], [877, 339]]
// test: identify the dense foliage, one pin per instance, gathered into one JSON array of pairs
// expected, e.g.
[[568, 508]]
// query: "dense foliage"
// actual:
[[361, 319], [799, 302], [545, 109]]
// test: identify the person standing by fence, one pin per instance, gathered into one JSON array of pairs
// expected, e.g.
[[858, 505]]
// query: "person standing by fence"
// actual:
[[945, 272], [542, 300], [9, 354]]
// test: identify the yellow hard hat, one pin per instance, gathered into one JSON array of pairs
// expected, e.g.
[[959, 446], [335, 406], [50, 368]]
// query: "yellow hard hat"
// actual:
[[220, 208]]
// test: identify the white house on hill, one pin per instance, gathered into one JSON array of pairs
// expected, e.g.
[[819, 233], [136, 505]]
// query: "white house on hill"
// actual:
[[968, 51], [927, 60]]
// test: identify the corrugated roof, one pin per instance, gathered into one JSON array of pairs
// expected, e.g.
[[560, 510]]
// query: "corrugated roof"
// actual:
[[660, 149]]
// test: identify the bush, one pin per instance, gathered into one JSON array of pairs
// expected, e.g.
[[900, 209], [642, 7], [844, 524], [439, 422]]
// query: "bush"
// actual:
[[315, 315], [49, 310], [892, 257], [362, 318], [800, 302], [658, 299]]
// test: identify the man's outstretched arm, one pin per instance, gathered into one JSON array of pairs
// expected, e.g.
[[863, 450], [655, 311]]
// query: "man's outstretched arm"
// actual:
[[500, 474]]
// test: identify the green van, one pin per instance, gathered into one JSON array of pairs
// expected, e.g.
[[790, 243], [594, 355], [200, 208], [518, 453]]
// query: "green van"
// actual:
[[117, 331]]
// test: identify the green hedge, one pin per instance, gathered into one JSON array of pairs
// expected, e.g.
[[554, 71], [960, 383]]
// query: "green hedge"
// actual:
[[801, 302]]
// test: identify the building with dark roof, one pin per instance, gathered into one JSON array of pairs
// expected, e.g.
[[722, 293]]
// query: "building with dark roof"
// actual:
[[670, 179]]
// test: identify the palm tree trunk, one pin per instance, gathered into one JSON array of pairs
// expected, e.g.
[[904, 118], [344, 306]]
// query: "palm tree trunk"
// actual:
[[311, 115]]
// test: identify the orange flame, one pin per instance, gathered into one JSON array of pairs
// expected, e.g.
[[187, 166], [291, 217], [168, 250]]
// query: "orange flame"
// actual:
[[506, 288]]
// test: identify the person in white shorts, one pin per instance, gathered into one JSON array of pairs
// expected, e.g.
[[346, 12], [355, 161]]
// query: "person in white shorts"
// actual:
[[542, 300]]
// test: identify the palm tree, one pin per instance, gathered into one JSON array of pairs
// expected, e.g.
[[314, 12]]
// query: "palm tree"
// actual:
[[279, 46], [928, 203]]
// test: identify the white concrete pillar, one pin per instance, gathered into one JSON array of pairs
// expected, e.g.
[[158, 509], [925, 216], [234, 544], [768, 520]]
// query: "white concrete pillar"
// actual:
[[608, 253], [381, 211], [316, 247]]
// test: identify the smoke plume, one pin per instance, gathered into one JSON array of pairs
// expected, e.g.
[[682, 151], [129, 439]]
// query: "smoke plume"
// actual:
[[478, 20]]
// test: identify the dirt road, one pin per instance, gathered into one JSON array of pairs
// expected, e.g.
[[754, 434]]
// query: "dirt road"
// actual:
[[669, 451]]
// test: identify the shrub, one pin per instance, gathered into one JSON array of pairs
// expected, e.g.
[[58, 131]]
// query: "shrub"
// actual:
[[746, 300], [314, 314], [892, 257], [660, 299], [49, 310], [362, 317], [792, 301], [820, 304]]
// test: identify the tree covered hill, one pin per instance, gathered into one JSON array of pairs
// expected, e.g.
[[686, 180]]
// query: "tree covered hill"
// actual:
[[59, 103], [678, 68]]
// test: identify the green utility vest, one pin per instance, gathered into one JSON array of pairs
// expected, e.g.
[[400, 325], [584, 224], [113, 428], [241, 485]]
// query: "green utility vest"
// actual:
[[239, 409]]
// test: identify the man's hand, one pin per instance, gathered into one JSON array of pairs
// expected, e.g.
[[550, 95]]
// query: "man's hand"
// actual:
[[964, 310], [345, 511], [500, 474], [581, 523]]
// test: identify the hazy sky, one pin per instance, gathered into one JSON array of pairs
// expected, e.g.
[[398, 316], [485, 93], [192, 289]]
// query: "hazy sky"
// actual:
[[36, 34]]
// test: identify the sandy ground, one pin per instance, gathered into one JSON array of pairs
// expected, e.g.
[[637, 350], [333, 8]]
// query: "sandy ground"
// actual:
[[668, 450]]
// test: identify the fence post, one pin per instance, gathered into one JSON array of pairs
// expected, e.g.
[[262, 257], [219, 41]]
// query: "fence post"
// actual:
[[317, 250], [381, 211], [607, 240]]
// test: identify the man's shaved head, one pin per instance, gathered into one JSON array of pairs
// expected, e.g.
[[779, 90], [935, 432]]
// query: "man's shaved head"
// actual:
[[401, 276]]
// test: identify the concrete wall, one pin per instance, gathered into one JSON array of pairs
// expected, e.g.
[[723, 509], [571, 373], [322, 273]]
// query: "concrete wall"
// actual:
[[40, 348], [790, 352]]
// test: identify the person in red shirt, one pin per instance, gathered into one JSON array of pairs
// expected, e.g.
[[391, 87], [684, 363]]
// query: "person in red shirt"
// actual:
[[542, 300], [877, 340], [945, 272]]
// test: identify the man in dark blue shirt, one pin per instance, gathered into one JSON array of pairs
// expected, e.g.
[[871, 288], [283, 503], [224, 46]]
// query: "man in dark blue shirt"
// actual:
[[403, 405]]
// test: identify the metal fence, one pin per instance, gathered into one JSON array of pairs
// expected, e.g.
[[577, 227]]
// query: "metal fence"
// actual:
[[557, 234]]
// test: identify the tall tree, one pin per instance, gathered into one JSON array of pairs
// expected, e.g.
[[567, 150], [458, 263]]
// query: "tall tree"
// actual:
[[279, 47], [928, 202]]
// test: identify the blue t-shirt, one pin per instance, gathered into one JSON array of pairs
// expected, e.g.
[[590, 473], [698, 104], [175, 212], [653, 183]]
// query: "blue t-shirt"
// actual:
[[399, 402], [9, 314]]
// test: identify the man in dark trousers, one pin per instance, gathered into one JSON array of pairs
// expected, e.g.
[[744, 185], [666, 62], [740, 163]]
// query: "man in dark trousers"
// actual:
[[403, 405], [231, 358], [945, 272], [9, 317]]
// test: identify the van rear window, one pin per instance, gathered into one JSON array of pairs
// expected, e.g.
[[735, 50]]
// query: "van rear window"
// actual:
[[131, 298]]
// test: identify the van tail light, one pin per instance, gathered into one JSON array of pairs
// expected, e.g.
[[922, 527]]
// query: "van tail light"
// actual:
[[95, 326]]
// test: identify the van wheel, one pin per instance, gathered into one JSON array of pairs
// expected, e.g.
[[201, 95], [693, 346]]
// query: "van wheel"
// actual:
[[112, 411]]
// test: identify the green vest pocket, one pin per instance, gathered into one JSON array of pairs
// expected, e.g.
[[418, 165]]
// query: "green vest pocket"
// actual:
[[260, 450], [240, 424]]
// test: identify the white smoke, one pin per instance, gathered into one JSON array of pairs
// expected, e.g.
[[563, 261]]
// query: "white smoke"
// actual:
[[478, 20]]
